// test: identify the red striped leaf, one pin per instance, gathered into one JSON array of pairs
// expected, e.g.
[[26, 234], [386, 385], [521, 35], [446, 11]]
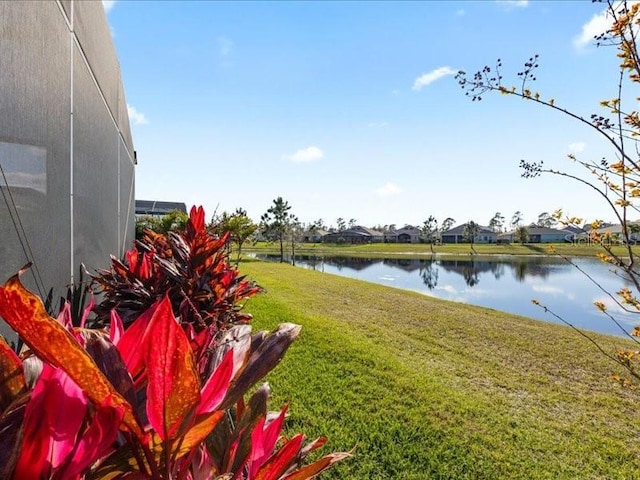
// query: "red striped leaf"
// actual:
[[282, 460], [310, 471], [173, 390], [25, 313]]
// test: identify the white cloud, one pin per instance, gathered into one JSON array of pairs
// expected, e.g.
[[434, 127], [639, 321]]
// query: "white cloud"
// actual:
[[598, 24], [448, 288], [108, 5], [460, 12], [613, 308], [225, 46], [577, 147], [306, 155], [430, 77], [388, 189], [548, 289], [514, 3], [395, 92], [137, 118]]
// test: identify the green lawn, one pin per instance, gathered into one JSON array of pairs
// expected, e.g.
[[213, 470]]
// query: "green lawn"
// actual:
[[424, 388], [422, 250]]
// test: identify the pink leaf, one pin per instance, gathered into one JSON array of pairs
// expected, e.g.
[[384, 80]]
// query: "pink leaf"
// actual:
[[87, 312], [130, 344], [116, 328], [217, 385], [97, 440], [53, 418], [202, 465], [263, 441], [64, 317]]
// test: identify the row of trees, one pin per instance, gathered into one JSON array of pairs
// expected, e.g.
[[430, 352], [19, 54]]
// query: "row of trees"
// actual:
[[545, 220], [497, 223], [280, 225]]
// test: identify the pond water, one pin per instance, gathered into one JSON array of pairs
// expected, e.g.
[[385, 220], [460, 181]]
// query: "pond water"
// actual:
[[507, 283]]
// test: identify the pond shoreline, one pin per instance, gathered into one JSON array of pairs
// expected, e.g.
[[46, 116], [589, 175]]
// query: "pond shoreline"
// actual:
[[389, 250], [507, 283]]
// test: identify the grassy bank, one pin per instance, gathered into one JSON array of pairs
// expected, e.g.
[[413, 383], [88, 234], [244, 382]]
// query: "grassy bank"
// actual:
[[431, 389], [423, 250]]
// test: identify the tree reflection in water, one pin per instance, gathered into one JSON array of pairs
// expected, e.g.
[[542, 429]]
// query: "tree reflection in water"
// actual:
[[502, 282], [429, 273], [471, 269]]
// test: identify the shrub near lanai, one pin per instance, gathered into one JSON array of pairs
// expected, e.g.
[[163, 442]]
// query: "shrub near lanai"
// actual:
[[161, 399]]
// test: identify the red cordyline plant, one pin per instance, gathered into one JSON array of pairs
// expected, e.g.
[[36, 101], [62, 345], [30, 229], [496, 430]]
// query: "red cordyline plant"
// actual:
[[191, 267], [134, 403]]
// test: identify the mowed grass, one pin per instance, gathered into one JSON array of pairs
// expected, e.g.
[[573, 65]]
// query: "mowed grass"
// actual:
[[424, 250], [424, 388]]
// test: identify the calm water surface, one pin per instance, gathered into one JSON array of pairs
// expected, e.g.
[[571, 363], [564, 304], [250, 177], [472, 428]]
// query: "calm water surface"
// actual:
[[507, 283]]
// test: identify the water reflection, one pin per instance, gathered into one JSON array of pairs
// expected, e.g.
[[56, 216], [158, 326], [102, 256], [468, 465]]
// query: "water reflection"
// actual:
[[429, 274], [469, 269], [506, 283]]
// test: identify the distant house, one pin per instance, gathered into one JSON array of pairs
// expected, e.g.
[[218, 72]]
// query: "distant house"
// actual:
[[354, 235], [407, 234], [158, 209], [456, 235], [577, 233], [541, 235], [615, 232], [314, 235]]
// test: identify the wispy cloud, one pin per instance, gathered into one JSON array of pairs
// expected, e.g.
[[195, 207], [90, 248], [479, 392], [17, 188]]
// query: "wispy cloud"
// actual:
[[577, 147], [598, 24], [388, 189], [548, 289], [509, 4], [460, 12], [225, 46], [448, 288], [622, 315], [136, 117], [430, 77], [306, 155], [377, 124], [108, 5]]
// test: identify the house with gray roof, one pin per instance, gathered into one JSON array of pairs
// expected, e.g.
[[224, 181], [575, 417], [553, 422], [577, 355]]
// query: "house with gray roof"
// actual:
[[541, 235], [456, 235], [406, 234], [314, 235], [615, 234], [357, 234], [155, 208]]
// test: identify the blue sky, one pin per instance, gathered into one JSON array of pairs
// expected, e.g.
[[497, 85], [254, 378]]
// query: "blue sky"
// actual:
[[349, 109]]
